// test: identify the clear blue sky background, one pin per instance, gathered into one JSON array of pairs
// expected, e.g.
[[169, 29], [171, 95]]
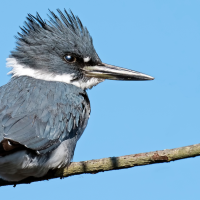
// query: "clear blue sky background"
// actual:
[[160, 38]]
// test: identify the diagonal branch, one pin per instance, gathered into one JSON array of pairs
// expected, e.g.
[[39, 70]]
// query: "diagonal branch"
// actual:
[[115, 163]]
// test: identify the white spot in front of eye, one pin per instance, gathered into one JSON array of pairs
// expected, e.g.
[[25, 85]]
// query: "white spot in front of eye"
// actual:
[[87, 59]]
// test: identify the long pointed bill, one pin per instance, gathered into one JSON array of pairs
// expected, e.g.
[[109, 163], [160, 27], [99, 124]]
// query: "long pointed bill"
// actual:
[[111, 72]]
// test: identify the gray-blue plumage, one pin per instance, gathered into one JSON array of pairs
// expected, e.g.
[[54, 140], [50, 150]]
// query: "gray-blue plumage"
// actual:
[[41, 114], [44, 109]]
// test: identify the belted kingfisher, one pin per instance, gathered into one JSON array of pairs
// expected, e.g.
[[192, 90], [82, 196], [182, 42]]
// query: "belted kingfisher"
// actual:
[[44, 109]]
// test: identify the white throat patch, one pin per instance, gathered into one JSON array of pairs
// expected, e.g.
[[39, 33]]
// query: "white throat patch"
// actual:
[[21, 70]]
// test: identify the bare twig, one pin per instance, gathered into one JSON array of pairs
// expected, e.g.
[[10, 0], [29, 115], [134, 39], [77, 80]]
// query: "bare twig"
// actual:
[[115, 163]]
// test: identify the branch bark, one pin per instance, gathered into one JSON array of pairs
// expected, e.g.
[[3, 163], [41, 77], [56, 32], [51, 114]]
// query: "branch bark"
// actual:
[[115, 163]]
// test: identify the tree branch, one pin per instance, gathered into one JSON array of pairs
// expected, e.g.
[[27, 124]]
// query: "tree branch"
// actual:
[[115, 163]]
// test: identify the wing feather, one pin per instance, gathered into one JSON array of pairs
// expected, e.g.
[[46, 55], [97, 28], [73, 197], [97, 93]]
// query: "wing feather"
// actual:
[[40, 114]]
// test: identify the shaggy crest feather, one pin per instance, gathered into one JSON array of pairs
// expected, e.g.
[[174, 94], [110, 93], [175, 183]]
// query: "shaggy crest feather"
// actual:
[[69, 23]]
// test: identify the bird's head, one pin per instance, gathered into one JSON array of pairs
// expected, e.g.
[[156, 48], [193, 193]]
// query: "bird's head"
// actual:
[[61, 49]]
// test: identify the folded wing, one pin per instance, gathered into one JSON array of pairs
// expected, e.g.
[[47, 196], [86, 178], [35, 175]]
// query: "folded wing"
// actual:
[[40, 115]]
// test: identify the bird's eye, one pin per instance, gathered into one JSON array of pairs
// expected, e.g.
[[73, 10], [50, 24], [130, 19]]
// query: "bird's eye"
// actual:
[[70, 58]]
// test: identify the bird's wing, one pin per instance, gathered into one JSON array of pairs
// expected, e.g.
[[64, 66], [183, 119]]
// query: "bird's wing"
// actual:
[[40, 115]]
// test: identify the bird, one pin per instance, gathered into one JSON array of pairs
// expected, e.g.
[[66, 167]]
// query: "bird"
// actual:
[[44, 108]]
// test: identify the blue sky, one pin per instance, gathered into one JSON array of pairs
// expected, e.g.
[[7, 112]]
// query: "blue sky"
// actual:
[[159, 38]]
